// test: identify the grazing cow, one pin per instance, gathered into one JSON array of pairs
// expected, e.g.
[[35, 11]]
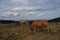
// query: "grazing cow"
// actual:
[[23, 22], [39, 24]]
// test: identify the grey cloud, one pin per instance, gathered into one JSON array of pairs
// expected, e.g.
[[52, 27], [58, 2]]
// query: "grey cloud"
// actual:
[[38, 9]]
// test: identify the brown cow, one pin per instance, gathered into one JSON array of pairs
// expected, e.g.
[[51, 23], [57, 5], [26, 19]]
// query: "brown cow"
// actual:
[[23, 22], [39, 24]]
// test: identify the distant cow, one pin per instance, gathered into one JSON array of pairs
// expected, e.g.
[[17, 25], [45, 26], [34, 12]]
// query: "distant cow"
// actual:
[[39, 24], [23, 22]]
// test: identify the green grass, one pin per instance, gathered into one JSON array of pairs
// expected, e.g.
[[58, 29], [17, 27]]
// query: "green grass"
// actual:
[[17, 32]]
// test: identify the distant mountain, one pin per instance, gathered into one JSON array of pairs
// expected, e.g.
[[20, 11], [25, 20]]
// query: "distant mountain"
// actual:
[[55, 20]]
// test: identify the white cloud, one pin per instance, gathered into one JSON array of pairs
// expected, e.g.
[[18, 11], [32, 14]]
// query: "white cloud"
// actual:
[[29, 13], [25, 8], [41, 15], [19, 10], [7, 13], [16, 14]]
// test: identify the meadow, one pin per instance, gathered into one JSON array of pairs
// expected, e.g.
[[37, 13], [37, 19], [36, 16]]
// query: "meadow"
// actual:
[[15, 31]]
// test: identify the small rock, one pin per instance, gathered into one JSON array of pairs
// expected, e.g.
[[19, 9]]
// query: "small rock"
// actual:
[[16, 33]]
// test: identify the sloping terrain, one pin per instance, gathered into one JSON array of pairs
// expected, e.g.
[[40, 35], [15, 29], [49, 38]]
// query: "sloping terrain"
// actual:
[[55, 20]]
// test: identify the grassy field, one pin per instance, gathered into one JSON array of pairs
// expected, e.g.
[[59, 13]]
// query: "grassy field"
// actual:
[[15, 31]]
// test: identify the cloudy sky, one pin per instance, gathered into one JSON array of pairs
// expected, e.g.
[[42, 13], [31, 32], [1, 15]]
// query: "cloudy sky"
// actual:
[[29, 9]]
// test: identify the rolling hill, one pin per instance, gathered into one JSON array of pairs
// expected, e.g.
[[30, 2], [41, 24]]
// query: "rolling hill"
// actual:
[[55, 20]]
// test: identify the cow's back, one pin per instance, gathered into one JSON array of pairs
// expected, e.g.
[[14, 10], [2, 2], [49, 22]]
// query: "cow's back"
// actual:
[[39, 23], [23, 21]]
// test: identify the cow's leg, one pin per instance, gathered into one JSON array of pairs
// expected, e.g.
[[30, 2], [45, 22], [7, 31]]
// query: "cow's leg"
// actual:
[[31, 27], [21, 24], [39, 28], [46, 28]]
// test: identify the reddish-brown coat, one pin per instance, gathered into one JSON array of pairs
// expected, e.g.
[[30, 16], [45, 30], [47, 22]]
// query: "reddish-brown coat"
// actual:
[[23, 21], [39, 23]]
